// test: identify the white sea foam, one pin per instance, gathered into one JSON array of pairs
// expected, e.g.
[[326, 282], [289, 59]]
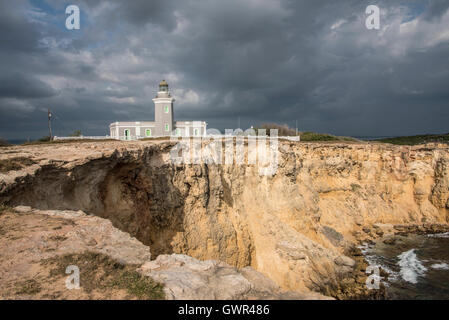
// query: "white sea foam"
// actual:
[[411, 267], [439, 235], [441, 266], [377, 261]]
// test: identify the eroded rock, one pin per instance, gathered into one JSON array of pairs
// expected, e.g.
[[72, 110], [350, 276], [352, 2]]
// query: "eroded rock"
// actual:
[[231, 213], [187, 278]]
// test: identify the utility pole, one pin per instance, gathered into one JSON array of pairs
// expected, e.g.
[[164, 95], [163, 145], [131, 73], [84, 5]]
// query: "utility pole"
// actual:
[[296, 127], [49, 124]]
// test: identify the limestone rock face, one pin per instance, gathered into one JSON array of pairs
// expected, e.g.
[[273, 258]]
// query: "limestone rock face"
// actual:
[[291, 226], [31, 236], [187, 278]]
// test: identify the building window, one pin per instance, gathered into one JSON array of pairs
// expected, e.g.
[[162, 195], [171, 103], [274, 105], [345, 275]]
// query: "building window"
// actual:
[[127, 134], [178, 132], [195, 132], [148, 132], [166, 109], [167, 127]]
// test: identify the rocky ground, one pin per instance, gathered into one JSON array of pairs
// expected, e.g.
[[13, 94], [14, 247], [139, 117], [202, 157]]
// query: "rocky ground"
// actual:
[[298, 227], [36, 247]]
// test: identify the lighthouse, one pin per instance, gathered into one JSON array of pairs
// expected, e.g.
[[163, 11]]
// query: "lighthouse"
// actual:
[[164, 124], [163, 110]]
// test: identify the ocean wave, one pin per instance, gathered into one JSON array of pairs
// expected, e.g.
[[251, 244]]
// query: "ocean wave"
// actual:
[[439, 235], [440, 266], [378, 261], [411, 267]]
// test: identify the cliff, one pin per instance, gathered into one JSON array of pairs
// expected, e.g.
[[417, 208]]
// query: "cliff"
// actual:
[[294, 227]]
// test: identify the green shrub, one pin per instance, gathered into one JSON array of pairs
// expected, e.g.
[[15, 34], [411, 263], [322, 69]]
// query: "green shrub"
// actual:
[[419, 139]]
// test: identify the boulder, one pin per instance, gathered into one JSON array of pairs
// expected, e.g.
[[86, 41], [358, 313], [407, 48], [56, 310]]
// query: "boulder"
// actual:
[[344, 261]]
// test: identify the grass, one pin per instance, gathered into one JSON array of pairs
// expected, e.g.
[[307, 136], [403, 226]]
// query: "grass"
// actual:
[[419, 139], [100, 272], [28, 287], [313, 136], [138, 285], [16, 163]]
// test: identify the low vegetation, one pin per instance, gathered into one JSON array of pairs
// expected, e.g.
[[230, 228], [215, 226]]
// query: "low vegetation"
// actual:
[[154, 138], [41, 141], [419, 139], [16, 163], [76, 133], [283, 130], [286, 131], [313, 136], [29, 287], [100, 272], [4, 143]]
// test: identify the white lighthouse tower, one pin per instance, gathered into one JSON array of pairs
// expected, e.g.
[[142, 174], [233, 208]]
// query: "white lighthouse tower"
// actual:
[[163, 110]]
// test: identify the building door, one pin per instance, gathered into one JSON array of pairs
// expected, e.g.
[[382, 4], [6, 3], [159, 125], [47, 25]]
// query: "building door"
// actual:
[[127, 134], [148, 132]]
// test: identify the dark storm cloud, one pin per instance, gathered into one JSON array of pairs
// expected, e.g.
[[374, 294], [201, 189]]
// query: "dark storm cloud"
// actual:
[[436, 9], [253, 61], [17, 85], [142, 12], [16, 34]]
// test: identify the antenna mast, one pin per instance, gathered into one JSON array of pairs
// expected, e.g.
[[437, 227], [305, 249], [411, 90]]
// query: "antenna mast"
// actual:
[[49, 124]]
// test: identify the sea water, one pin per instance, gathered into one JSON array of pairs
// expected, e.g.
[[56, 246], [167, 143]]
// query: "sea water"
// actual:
[[417, 266]]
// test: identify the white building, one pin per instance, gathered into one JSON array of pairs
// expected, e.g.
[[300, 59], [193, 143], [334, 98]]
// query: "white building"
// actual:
[[164, 124]]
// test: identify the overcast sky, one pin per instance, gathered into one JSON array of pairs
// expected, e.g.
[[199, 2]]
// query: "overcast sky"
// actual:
[[257, 60]]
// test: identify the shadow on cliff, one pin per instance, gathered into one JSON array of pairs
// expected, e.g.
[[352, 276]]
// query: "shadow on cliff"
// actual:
[[135, 196]]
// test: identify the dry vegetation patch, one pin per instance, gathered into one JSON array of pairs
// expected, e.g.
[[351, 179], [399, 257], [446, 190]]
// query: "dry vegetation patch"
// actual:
[[28, 287], [100, 272], [16, 163], [35, 250], [4, 143]]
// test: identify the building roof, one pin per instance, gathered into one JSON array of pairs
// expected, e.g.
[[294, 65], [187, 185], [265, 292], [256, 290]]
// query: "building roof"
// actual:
[[163, 83]]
